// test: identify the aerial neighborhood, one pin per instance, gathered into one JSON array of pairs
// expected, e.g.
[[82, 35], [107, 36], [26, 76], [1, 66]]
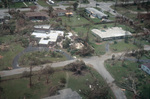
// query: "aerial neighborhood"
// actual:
[[74, 49]]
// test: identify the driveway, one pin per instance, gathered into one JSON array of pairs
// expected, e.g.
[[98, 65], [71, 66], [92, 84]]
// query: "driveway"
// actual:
[[15, 64]]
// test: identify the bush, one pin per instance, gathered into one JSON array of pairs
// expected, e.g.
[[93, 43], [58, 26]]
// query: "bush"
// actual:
[[63, 80], [115, 42]]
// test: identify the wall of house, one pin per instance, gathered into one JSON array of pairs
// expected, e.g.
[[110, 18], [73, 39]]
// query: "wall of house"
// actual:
[[146, 69]]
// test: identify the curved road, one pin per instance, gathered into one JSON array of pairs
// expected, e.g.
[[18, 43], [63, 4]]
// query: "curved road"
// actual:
[[32, 49]]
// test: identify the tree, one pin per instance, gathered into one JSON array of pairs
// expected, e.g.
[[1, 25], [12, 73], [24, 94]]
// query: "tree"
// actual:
[[75, 5], [48, 71], [66, 43], [50, 10], [96, 91], [76, 67]]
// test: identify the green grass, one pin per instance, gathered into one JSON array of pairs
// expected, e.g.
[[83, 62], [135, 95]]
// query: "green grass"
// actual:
[[42, 3], [40, 58], [122, 46], [30, 3], [18, 88], [75, 20], [9, 54], [120, 73], [17, 5]]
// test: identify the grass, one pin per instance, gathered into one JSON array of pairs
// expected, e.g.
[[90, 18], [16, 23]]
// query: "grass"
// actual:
[[10, 52], [17, 5], [40, 58], [120, 73], [42, 3], [74, 20], [30, 3], [18, 88], [122, 46]]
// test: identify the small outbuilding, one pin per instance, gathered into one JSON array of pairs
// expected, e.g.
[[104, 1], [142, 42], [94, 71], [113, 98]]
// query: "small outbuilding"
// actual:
[[146, 67]]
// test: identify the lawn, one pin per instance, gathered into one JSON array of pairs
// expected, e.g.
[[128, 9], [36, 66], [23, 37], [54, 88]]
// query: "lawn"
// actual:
[[42, 3], [17, 5], [38, 58], [18, 88], [74, 20], [10, 52], [122, 46], [122, 72]]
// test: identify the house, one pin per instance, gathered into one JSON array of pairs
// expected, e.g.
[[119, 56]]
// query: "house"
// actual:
[[35, 16], [146, 67], [47, 37], [92, 12], [61, 12], [111, 33]]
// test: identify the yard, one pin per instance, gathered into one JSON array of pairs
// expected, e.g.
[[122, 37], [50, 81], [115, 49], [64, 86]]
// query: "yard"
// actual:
[[42, 3], [18, 88], [122, 46], [123, 72], [17, 5], [74, 20], [9, 51], [38, 58]]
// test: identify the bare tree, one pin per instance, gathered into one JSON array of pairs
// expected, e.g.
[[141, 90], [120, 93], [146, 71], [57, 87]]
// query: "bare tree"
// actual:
[[48, 71]]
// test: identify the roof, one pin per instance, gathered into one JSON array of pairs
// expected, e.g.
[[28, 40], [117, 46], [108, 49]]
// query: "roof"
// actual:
[[147, 65], [111, 32], [48, 37], [42, 27], [66, 94], [97, 12], [33, 14]]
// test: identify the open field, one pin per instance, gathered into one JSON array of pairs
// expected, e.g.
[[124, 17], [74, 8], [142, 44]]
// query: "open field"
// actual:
[[19, 88]]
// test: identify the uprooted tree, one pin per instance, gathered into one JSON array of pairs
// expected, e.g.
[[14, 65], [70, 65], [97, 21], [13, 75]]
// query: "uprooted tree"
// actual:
[[77, 67], [96, 91]]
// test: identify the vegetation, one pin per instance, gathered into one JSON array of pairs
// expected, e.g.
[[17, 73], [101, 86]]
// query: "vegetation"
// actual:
[[41, 89], [123, 46], [126, 74], [40, 57]]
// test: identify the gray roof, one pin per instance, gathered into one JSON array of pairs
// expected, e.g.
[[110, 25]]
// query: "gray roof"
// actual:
[[97, 12], [66, 94]]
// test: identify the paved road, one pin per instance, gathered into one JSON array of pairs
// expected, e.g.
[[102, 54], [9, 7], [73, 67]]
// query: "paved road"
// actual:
[[32, 49], [98, 64]]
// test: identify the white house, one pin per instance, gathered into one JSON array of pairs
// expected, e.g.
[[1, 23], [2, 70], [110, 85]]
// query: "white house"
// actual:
[[146, 67], [111, 33], [96, 13], [48, 38]]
